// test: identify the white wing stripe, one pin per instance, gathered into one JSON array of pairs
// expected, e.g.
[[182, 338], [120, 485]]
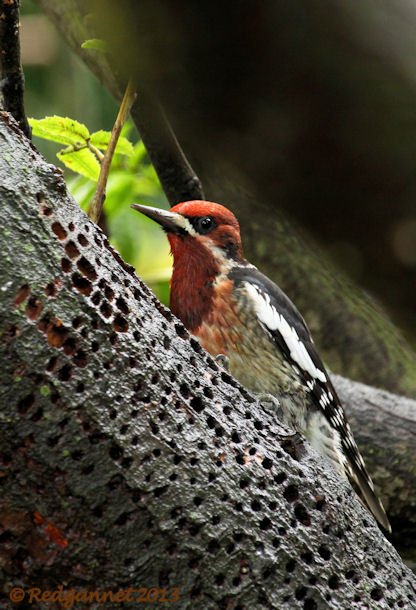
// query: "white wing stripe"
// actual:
[[269, 316]]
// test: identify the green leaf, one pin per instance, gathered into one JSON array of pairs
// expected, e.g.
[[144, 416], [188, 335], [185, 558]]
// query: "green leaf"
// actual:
[[101, 138], [136, 161], [95, 43], [82, 162], [60, 129], [82, 190]]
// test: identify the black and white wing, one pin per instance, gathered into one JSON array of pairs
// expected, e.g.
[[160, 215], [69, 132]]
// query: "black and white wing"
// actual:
[[282, 321]]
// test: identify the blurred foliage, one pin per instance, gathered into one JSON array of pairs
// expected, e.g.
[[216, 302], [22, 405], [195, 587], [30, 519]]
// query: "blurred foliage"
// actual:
[[58, 83]]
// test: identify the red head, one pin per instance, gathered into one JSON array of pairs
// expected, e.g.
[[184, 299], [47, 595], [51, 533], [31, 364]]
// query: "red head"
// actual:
[[195, 226], [205, 242]]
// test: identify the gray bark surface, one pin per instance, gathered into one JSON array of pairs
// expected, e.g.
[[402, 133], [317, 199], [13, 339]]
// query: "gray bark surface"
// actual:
[[155, 467]]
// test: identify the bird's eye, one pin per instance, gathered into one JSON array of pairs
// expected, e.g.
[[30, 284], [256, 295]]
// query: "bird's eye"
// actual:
[[205, 224]]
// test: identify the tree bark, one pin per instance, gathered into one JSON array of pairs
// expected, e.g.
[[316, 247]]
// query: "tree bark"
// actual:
[[354, 336], [384, 426], [130, 460], [11, 73]]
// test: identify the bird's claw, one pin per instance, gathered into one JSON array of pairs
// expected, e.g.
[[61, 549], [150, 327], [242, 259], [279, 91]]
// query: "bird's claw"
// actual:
[[268, 400], [271, 402], [223, 361]]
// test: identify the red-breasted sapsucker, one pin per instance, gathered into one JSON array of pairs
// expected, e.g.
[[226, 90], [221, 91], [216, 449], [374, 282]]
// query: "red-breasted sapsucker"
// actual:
[[235, 310]]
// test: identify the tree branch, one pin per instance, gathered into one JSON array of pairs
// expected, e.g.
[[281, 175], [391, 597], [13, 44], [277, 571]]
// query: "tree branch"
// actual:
[[178, 179], [384, 427], [12, 79]]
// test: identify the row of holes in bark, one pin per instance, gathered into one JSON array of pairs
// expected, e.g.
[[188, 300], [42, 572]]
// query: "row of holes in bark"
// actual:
[[72, 249], [85, 283], [58, 335], [62, 234], [35, 306]]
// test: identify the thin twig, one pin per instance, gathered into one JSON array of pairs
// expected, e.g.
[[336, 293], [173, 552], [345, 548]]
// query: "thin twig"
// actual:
[[95, 209], [12, 84]]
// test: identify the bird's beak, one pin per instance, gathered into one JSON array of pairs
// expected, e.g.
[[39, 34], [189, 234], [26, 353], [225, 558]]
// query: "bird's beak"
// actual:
[[170, 221]]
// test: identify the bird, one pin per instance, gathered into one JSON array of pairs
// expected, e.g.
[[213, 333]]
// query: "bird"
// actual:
[[239, 313]]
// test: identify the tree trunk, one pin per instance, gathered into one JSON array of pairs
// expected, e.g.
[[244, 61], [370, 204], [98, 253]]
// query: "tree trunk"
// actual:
[[129, 460]]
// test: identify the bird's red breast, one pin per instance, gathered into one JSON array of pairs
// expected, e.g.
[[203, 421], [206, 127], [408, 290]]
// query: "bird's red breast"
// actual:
[[219, 330], [192, 283]]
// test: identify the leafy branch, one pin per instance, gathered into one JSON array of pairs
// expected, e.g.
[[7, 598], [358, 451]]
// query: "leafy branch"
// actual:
[[82, 153]]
